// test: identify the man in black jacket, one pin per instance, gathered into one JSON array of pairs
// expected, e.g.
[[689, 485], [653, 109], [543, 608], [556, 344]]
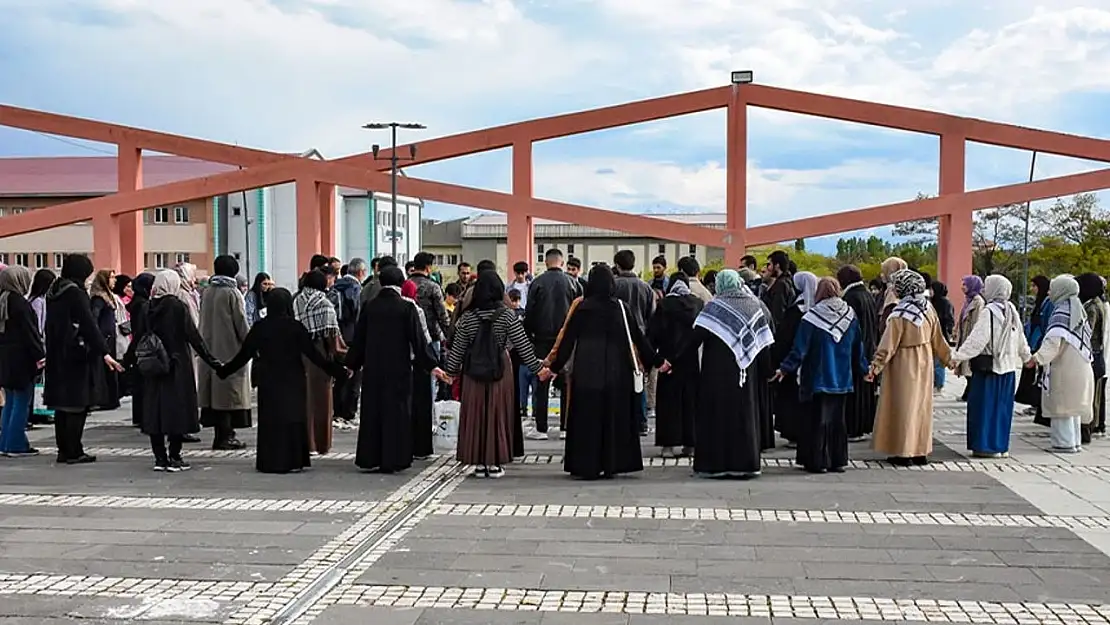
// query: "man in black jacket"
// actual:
[[638, 296], [549, 300]]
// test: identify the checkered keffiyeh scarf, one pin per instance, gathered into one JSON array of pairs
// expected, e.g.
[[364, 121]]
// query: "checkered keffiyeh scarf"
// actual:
[[313, 309], [740, 321]]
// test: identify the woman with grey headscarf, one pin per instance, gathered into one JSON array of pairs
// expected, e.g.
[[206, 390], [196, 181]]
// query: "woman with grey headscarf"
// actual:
[[1065, 354], [788, 405], [998, 341], [670, 327], [21, 354]]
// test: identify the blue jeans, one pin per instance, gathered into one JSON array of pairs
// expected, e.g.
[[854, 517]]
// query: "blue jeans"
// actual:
[[13, 422], [643, 411], [938, 374], [526, 381]]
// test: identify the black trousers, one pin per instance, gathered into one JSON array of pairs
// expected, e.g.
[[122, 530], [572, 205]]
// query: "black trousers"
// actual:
[[345, 394], [823, 440], [540, 397], [69, 428], [158, 446]]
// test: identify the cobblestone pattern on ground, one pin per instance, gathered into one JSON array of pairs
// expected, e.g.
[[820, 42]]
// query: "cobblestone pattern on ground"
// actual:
[[725, 604], [771, 516], [331, 506]]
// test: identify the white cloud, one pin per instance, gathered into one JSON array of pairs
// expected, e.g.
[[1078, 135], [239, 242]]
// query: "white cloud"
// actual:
[[292, 74]]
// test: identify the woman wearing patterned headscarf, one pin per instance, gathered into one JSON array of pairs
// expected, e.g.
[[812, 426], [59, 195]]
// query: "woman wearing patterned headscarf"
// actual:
[[969, 315], [670, 327], [21, 354], [787, 406], [990, 404], [913, 337], [827, 351], [889, 298], [1065, 354], [734, 333]]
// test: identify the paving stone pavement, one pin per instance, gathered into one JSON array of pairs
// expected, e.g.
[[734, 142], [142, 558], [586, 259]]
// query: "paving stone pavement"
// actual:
[[1023, 540]]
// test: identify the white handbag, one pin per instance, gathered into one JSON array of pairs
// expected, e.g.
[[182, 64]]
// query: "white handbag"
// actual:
[[637, 372]]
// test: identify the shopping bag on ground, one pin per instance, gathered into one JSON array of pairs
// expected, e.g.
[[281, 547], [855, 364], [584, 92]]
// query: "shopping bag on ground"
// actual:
[[446, 424]]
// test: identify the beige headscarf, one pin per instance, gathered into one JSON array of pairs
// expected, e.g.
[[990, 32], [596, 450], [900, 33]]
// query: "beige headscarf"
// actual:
[[890, 267], [166, 282], [15, 279]]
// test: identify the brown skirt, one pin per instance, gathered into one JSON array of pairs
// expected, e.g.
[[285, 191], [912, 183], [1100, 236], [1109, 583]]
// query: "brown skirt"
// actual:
[[485, 420], [319, 400]]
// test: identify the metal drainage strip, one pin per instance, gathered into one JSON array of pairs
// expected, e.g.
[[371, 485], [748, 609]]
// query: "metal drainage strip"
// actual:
[[329, 579]]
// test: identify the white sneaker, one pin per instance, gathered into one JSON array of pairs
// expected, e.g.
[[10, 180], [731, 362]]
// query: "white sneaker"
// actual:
[[562, 435], [536, 435]]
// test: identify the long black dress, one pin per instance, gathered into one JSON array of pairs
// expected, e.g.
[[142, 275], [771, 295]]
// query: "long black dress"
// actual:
[[603, 430], [789, 411], [170, 401], [276, 344], [389, 343], [105, 381], [670, 327], [137, 309], [859, 409], [727, 427]]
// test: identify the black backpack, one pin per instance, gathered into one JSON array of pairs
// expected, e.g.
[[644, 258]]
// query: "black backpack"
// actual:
[[151, 357], [483, 360]]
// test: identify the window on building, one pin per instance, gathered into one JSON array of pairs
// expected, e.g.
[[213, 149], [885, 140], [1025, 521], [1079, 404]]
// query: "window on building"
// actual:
[[693, 250], [181, 257], [236, 255], [18, 210], [237, 211], [452, 259], [160, 260], [161, 215], [59, 258], [181, 214], [4, 257], [662, 248], [2, 211], [40, 260], [570, 249], [21, 259]]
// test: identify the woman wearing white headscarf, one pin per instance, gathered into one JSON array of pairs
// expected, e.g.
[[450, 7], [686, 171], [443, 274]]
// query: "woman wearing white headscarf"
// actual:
[[170, 400], [913, 337], [1065, 354], [788, 405], [996, 348]]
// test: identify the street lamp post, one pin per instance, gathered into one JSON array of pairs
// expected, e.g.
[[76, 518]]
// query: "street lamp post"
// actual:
[[1026, 311], [393, 169]]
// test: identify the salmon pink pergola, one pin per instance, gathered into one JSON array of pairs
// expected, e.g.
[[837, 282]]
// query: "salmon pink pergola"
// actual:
[[117, 224]]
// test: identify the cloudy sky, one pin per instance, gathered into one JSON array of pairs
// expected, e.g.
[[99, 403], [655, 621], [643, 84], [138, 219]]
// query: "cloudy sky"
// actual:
[[294, 74]]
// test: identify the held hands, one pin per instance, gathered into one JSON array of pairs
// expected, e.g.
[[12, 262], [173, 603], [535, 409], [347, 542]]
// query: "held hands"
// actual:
[[778, 377], [545, 374], [441, 375], [1031, 364], [870, 377], [112, 364], [41, 364], [666, 368]]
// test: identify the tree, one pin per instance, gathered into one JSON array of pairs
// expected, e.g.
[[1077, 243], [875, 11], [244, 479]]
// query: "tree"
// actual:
[[998, 239], [1072, 221], [800, 245], [920, 230]]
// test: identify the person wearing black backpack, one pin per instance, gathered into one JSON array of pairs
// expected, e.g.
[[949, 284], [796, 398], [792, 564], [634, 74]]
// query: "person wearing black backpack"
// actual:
[[484, 336], [169, 388]]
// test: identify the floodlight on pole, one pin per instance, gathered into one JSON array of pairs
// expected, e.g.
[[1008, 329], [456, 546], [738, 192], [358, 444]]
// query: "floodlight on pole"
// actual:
[[393, 170], [743, 77]]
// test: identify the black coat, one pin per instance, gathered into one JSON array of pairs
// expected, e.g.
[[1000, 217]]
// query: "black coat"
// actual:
[[549, 299], [170, 401], [74, 346], [21, 347]]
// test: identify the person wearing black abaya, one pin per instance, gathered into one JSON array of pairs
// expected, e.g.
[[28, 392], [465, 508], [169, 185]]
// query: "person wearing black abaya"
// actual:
[[676, 400], [859, 410], [170, 400], [790, 413], [276, 343], [137, 309], [734, 333], [74, 346], [603, 430], [389, 343]]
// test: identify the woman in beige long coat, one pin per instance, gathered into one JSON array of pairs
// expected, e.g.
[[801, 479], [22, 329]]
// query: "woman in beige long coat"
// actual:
[[225, 404], [913, 337], [1065, 354]]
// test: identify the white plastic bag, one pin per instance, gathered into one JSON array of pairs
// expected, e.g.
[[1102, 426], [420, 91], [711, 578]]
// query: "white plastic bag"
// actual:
[[445, 419]]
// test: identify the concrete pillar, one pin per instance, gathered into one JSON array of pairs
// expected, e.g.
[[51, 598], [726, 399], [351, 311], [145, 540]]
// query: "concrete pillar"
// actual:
[[954, 230], [129, 169], [328, 236], [106, 242], [308, 223], [519, 235], [736, 186]]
